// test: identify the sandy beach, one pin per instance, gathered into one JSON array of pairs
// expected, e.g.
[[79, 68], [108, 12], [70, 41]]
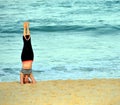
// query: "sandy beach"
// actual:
[[62, 92]]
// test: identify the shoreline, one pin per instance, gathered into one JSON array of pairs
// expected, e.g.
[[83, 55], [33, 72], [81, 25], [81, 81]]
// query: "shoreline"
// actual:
[[62, 92]]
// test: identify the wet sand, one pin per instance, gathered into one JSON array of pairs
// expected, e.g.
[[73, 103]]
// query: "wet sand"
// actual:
[[62, 92]]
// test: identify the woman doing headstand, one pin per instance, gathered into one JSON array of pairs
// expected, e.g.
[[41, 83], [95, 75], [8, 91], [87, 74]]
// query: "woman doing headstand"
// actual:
[[27, 57]]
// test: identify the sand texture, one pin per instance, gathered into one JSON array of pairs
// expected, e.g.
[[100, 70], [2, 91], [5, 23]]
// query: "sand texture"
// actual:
[[62, 92]]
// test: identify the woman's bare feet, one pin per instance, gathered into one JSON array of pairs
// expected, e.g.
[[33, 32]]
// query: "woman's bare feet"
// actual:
[[26, 32], [25, 28], [25, 25]]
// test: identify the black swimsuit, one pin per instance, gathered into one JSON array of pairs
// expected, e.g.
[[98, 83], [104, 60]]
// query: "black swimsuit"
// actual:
[[27, 52]]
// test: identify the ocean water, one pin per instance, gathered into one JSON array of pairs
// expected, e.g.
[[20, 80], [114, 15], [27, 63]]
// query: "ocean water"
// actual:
[[71, 39]]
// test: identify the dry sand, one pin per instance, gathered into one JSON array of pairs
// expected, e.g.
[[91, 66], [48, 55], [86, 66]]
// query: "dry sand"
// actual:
[[62, 92]]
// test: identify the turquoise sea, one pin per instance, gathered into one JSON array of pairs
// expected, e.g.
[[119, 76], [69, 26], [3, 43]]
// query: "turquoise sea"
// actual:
[[71, 39]]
